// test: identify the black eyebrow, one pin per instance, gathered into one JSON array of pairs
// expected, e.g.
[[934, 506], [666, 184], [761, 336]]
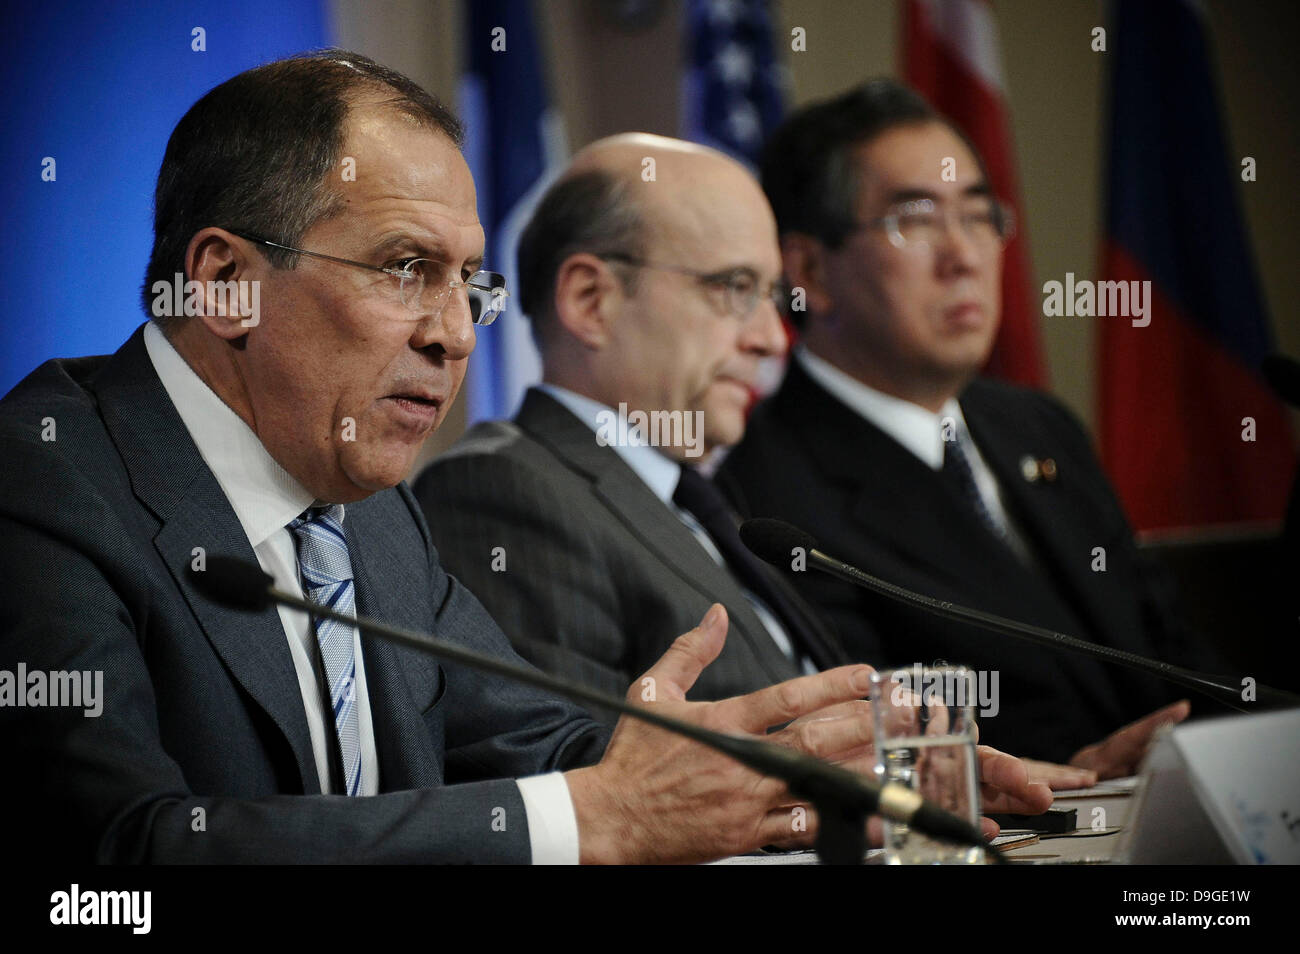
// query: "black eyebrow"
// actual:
[[980, 188]]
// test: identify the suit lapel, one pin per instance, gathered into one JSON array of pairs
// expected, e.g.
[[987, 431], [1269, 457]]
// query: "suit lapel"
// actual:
[[634, 505], [899, 500], [170, 478], [405, 753], [1039, 506]]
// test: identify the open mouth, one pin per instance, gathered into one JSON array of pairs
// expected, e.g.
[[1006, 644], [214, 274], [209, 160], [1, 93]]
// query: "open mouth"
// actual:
[[416, 405]]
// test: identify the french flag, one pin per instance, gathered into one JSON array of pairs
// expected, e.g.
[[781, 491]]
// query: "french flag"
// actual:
[[1189, 430], [951, 56]]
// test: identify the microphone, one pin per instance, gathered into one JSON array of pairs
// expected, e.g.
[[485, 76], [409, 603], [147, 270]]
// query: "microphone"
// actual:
[[843, 799], [775, 541]]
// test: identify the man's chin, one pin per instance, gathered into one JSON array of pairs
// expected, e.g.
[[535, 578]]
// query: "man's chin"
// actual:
[[721, 429], [379, 470]]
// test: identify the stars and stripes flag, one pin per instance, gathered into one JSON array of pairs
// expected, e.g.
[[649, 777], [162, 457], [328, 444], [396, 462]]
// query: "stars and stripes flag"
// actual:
[[733, 94]]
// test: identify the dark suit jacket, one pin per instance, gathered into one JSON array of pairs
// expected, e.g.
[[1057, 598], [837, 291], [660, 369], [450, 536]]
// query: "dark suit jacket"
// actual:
[[202, 751], [600, 576], [808, 459]]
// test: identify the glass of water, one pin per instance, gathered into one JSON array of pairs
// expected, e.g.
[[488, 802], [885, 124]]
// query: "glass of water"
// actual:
[[925, 739]]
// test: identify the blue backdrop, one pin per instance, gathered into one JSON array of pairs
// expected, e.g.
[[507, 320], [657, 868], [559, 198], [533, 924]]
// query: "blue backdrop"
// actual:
[[98, 88]]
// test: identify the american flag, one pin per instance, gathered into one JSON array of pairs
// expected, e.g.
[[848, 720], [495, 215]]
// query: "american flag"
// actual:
[[733, 95]]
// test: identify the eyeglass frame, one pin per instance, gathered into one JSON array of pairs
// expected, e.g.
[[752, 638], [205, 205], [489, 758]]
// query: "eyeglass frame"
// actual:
[[398, 273], [1004, 224], [777, 294]]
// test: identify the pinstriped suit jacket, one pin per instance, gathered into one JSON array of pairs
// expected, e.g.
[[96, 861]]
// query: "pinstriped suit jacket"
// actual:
[[587, 571]]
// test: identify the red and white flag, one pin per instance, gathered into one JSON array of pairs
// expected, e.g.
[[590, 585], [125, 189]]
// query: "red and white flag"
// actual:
[[951, 56]]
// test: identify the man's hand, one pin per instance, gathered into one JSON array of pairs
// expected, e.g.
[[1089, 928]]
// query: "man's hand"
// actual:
[[657, 797], [1121, 752], [1060, 777], [1006, 787]]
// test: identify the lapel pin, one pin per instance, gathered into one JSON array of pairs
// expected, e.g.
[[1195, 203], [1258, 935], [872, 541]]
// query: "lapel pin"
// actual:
[[1033, 469]]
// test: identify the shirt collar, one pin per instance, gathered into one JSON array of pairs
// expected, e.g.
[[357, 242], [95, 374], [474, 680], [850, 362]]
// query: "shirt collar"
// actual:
[[915, 427], [264, 496], [657, 471]]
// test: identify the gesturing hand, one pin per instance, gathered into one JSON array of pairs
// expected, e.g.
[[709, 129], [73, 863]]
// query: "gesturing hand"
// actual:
[[657, 797]]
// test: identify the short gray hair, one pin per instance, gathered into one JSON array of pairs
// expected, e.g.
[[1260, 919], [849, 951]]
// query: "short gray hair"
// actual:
[[591, 212], [253, 153]]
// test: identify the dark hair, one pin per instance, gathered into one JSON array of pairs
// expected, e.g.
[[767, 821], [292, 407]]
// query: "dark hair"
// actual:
[[254, 152], [591, 212], [806, 166]]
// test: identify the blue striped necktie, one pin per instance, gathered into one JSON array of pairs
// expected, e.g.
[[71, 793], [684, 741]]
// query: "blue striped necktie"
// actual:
[[327, 579]]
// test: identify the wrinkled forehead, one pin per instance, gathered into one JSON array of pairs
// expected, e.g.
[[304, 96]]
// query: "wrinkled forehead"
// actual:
[[395, 168], [715, 218]]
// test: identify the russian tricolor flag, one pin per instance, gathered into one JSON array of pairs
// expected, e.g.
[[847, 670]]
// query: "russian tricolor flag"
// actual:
[[1189, 430]]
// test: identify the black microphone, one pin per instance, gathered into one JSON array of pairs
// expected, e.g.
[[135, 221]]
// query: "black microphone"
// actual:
[[843, 799], [775, 541]]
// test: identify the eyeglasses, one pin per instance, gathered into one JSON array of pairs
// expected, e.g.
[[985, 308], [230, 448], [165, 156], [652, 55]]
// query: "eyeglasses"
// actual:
[[740, 286], [423, 285], [922, 224]]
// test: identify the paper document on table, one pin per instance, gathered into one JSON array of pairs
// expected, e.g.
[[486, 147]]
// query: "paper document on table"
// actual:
[[1112, 786]]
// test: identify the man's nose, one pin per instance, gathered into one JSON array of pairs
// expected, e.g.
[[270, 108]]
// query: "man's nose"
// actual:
[[763, 331], [957, 246], [449, 328]]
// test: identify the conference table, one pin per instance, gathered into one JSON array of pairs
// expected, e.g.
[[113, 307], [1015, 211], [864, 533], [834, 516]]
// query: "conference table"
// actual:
[[1101, 813]]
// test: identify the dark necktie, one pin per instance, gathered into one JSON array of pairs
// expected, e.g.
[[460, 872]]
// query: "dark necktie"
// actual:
[[702, 500], [957, 469]]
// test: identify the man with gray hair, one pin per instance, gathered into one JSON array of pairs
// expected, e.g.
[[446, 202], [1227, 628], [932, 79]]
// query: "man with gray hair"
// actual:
[[651, 301], [588, 537], [283, 438]]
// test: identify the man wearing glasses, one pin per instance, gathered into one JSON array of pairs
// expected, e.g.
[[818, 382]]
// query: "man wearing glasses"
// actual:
[[651, 301], [885, 444], [284, 438], [591, 545]]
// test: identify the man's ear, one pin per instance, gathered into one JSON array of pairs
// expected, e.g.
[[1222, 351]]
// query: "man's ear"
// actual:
[[588, 296], [228, 300], [803, 259]]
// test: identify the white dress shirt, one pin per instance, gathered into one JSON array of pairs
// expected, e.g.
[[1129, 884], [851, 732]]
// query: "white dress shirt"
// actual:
[[660, 473], [265, 498], [919, 430]]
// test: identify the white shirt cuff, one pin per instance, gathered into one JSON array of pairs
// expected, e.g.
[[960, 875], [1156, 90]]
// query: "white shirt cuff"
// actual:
[[552, 822]]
